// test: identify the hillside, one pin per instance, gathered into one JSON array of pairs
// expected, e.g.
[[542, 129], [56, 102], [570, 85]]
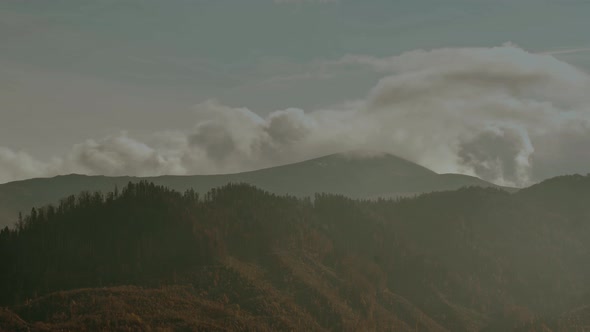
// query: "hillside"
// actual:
[[345, 174], [236, 258]]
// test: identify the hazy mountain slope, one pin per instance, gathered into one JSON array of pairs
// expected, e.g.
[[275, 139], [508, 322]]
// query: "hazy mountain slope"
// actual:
[[346, 174], [475, 259]]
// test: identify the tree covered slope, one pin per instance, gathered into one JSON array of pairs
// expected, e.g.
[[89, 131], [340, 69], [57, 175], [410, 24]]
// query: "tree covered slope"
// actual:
[[239, 258]]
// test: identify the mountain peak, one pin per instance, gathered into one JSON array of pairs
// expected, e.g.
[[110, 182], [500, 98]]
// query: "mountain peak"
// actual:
[[363, 161], [364, 154], [357, 174]]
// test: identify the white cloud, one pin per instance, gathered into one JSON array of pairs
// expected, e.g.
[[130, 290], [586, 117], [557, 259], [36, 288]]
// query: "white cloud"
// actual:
[[500, 113], [15, 165]]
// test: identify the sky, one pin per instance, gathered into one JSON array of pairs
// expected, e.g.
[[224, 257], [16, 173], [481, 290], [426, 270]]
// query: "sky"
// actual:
[[493, 88]]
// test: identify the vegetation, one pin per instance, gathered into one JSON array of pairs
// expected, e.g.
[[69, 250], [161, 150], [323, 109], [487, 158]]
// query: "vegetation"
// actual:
[[239, 258], [357, 177]]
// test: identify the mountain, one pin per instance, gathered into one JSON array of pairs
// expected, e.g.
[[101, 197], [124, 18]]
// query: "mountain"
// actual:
[[240, 258], [351, 174]]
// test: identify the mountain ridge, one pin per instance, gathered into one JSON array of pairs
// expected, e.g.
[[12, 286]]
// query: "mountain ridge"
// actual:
[[244, 258], [353, 174]]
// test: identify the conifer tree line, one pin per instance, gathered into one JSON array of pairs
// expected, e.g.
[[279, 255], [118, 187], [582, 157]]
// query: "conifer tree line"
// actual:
[[480, 248]]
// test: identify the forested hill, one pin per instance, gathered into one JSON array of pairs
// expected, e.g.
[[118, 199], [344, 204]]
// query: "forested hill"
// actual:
[[238, 258], [353, 175]]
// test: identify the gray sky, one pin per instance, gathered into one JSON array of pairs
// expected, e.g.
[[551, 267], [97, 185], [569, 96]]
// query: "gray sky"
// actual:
[[146, 87]]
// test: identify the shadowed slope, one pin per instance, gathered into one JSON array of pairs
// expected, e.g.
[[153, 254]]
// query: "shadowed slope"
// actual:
[[351, 174], [474, 259]]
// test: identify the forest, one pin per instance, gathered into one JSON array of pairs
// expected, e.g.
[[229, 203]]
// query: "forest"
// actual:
[[240, 258]]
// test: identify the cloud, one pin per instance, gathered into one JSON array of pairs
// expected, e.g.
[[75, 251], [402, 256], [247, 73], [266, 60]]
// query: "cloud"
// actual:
[[118, 155], [484, 110], [501, 113], [501, 154], [15, 165]]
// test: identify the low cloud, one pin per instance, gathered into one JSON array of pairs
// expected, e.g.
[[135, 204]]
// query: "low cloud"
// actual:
[[16, 165], [502, 113]]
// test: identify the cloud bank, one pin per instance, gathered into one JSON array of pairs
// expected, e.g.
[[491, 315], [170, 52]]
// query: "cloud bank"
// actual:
[[503, 114]]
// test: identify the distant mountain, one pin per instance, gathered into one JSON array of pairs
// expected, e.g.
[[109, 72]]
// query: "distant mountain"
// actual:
[[238, 258], [351, 174]]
